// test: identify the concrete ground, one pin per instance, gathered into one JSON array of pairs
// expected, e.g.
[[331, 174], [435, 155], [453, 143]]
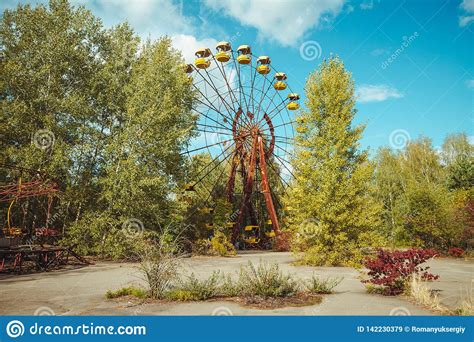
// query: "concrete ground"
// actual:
[[81, 291]]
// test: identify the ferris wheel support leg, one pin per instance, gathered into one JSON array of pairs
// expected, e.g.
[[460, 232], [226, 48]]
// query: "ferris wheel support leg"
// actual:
[[247, 192], [266, 188]]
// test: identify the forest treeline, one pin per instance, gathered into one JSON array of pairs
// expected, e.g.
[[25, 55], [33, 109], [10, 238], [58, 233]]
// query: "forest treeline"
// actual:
[[108, 117]]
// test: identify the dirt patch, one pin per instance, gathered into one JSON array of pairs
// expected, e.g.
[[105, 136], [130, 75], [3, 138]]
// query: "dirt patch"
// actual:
[[298, 300], [301, 299]]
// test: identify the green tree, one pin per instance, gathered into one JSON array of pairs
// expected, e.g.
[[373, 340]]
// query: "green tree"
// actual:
[[119, 112], [63, 79], [419, 210], [458, 157], [334, 210], [143, 159]]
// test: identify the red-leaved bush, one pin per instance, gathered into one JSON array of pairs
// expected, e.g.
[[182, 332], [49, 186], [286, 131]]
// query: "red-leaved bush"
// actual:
[[283, 241], [456, 252], [392, 270]]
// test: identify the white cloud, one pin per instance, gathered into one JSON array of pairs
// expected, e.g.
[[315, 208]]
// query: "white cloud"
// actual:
[[150, 18], [379, 52], [283, 21], [189, 44], [468, 5], [367, 5], [467, 18], [376, 93], [153, 18]]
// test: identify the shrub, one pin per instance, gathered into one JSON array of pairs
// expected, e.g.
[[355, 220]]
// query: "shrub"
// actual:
[[160, 263], [265, 280], [201, 247], [283, 241], [193, 288], [127, 291], [392, 270], [218, 245], [229, 287], [320, 286], [340, 254], [456, 252]]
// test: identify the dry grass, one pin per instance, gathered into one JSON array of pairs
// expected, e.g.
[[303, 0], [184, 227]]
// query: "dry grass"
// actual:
[[424, 296], [467, 305]]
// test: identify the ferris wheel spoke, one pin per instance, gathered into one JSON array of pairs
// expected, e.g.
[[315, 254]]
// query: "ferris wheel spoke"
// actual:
[[222, 71], [231, 95], [216, 127], [274, 109], [214, 132], [283, 161], [215, 144], [263, 97], [210, 192], [252, 78], [284, 150], [223, 100], [277, 172], [208, 117], [240, 83], [281, 125], [211, 105], [215, 166], [261, 94]]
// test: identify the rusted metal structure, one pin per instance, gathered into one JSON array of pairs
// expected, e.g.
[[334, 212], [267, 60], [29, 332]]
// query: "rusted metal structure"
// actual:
[[36, 250], [246, 120]]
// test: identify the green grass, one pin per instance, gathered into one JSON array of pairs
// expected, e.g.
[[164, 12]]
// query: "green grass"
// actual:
[[192, 288], [127, 291], [322, 286]]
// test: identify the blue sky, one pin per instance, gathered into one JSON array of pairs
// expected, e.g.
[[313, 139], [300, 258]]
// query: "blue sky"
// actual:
[[412, 61]]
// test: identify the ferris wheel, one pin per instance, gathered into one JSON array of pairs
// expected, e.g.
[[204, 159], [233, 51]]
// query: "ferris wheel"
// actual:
[[245, 123]]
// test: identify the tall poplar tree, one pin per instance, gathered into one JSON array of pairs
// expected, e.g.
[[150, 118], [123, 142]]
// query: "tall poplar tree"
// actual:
[[334, 213]]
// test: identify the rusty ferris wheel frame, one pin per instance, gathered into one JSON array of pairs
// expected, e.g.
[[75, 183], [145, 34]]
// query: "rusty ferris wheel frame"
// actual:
[[244, 107]]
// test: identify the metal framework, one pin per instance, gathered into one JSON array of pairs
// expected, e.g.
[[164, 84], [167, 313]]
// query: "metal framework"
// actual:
[[246, 125], [15, 257]]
